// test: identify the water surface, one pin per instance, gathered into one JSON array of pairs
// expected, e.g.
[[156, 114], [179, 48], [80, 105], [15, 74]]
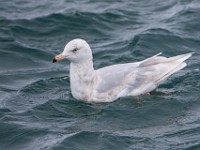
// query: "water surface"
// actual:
[[37, 110]]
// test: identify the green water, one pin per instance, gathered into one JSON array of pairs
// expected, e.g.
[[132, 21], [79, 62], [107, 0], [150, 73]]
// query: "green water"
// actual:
[[37, 110]]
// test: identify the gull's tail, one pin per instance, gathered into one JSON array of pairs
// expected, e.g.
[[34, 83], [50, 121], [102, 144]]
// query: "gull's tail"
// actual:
[[176, 63], [180, 58], [171, 65]]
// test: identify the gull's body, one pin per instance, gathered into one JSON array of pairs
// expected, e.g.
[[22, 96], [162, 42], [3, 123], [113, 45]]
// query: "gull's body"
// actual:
[[109, 83]]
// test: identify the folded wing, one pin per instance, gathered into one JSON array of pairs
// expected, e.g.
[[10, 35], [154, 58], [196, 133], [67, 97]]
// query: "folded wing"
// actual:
[[137, 78]]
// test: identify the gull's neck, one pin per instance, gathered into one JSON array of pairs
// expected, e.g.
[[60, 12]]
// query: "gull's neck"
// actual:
[[82, 79], [84, 69]]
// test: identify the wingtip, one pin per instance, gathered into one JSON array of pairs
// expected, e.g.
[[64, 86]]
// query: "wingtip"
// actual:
[[189, 54], [183, 57], [160, 53]]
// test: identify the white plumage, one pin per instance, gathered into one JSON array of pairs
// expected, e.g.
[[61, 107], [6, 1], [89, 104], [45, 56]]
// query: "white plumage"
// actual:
[[109, 83]]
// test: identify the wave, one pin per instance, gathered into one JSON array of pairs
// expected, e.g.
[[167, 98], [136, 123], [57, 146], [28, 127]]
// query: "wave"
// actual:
[[37, 110]]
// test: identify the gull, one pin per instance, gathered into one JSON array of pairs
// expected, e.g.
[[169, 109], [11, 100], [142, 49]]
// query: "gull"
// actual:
[[112, 82]]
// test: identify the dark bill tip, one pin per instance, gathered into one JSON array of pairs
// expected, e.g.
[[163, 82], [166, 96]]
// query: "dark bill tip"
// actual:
[[54, 60]]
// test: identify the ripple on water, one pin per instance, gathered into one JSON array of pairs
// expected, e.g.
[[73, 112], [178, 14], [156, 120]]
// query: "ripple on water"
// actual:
[[37, 110]]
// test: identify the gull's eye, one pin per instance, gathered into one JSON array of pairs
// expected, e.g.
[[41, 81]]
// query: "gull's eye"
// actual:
[[75, 50]]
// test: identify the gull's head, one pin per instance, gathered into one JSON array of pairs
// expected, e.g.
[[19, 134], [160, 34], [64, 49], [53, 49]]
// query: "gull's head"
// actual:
[[76, 51]]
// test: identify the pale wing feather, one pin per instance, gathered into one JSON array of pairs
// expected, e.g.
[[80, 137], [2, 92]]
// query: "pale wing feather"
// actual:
[[147, 78], [139, 77], [112, 76]]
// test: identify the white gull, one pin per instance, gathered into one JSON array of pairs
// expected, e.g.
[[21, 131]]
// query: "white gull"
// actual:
[[110, 83]]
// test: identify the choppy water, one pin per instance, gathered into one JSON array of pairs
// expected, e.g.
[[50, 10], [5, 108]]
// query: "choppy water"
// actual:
[[37, 110]]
